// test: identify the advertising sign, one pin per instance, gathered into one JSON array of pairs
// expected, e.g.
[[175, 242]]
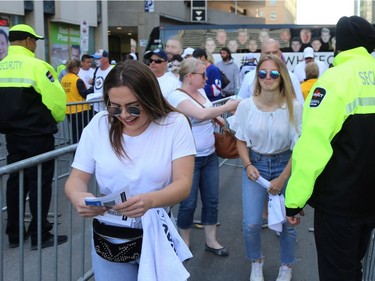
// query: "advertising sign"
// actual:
[[65, 43]]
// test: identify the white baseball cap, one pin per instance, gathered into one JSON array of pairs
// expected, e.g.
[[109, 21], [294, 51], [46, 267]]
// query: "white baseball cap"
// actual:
[[188, 52], [308, 52]]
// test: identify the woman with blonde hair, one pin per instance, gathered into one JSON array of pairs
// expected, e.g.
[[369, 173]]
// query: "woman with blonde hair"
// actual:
[[189, 100], [267, 127]]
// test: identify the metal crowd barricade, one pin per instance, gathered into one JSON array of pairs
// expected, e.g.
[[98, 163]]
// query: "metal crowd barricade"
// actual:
[[74, 122], [369, 261], [54, 263]]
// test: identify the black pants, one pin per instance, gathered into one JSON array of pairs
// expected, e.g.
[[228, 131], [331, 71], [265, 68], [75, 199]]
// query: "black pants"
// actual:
[[341, 245], [20, 148]]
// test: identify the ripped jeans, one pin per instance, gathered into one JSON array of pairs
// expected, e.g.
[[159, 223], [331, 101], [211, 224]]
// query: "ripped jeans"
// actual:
[[254, 198]]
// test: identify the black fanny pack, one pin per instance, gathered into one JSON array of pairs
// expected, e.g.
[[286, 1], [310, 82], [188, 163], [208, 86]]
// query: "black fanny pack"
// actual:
[[121, 253]]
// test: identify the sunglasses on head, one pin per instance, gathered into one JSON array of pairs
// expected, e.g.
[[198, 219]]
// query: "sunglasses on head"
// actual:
[[156, 61], [114, 110], [274, 74]]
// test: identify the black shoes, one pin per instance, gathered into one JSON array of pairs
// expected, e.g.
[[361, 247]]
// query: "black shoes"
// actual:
[[14, 242], [222, 252], [49, 241]]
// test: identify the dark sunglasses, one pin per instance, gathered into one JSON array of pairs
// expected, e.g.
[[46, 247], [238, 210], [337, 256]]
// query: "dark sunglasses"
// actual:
[[274, 74], [133, 110], [156, 61], [202, 74]]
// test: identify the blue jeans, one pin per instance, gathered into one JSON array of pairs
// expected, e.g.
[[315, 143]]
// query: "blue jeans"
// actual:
[[205, 180], [254, 197]]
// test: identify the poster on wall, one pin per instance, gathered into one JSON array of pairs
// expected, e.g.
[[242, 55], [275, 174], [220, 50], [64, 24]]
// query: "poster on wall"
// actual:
[[241, 40], [4, 32], [65, 43]]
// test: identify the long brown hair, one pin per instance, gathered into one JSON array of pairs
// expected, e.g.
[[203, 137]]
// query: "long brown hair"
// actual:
[[286, 86], [144, 85]]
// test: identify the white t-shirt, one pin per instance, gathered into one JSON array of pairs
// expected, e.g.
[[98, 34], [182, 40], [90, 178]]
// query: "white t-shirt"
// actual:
[[98, 88], [266, 132], [247, 86], [86, 75], [203, 131], [151, 154], [300, 73], [168, 83]]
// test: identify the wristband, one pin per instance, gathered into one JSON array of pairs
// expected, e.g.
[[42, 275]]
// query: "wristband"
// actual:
[[247, 165]]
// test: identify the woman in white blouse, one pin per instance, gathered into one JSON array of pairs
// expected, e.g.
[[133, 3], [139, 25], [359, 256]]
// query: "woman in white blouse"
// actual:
[[267, 126]]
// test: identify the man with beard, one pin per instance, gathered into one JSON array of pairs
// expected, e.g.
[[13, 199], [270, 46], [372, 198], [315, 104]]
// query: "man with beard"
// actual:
[[230, 69]]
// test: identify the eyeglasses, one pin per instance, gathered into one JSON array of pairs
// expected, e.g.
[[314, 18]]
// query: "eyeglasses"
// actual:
[[156, 61], [274, 74], [202, 74], [133, 110]]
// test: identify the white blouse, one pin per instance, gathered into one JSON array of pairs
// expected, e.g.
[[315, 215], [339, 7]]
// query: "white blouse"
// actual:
[[266, 132]]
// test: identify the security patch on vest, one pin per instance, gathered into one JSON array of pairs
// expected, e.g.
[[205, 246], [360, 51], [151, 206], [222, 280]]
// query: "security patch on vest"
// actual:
[[317, 97], [50, 76]]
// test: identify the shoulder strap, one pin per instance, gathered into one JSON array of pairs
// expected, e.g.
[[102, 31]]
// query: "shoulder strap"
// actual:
[[215, 119], [96, 70]]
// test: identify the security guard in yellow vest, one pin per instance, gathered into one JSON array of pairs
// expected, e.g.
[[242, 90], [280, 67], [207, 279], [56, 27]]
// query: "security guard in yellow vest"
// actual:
[[32, 101], [333, 162], [79, 114]]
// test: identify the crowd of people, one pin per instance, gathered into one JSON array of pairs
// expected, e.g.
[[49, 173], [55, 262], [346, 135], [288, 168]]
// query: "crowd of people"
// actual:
[[163, 106]]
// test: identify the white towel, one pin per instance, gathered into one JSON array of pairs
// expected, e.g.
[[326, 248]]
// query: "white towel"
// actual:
[[276, 207], [163, 250], [276, 212]]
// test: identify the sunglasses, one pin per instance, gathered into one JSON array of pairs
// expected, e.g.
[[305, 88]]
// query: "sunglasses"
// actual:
[[133, 110], [156, 61], [202, 74], [274, 74]]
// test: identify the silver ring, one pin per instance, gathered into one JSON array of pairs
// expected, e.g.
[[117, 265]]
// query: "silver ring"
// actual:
[[253, 175]]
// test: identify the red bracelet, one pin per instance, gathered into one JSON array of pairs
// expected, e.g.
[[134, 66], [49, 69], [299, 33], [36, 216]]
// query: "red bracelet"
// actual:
[[247, 165]]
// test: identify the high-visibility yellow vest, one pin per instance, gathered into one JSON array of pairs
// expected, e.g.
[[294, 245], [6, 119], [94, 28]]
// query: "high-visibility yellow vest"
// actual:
[[32, 99], [69, 83], [332, 162]]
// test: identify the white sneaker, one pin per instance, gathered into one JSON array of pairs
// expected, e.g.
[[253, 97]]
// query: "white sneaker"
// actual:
[[285, 273], [256, 271]]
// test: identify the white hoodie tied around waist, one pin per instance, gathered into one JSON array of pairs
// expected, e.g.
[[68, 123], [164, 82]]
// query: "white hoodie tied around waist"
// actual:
[[163, 249]]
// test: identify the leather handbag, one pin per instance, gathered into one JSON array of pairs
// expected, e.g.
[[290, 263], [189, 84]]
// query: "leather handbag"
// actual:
[[225, 141]]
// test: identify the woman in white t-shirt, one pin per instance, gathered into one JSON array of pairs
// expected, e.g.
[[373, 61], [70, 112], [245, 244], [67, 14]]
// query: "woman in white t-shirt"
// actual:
[[189, 100], [267, 127], [140, 144]]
